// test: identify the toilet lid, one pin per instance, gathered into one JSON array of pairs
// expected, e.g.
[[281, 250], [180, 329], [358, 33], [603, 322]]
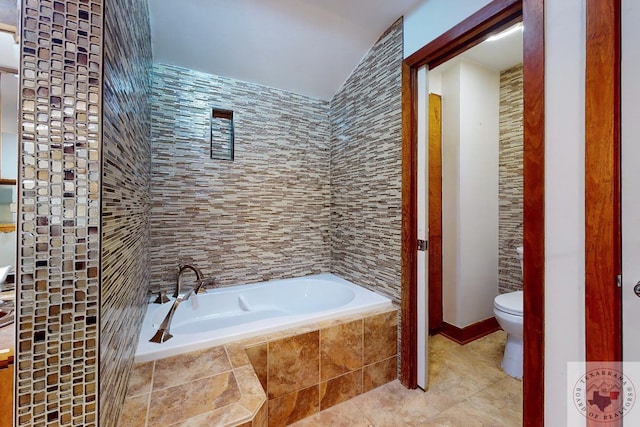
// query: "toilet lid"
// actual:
[[511, 303]]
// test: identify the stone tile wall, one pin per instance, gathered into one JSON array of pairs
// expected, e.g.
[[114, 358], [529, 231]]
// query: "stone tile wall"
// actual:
[[126, 177], [510, 180], [366, 170], [58, 277], [262, 216]]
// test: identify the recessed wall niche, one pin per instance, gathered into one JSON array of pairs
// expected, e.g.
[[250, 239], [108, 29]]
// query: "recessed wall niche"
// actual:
[[221, 134]]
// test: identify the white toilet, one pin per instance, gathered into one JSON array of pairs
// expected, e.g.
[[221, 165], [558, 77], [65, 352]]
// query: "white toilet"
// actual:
[[508, 309]]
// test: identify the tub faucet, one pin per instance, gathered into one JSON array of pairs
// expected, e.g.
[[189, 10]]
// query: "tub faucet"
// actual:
[[199, 278], [163, 334]]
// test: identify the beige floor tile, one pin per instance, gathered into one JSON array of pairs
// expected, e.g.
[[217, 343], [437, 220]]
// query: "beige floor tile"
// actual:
[[461, 373], [478, 411], [439, 345], [489, 348], [497, 405], [393, 405], [346, 414], [502, 400]]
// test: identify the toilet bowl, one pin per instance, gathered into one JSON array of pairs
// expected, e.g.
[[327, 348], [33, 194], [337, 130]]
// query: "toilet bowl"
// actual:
[[508, 310]]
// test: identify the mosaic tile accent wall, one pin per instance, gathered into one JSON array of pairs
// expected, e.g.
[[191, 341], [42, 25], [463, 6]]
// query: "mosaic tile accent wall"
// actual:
[[126, 177], [510, 180], [264, 215], [59, 213], [366, 140]]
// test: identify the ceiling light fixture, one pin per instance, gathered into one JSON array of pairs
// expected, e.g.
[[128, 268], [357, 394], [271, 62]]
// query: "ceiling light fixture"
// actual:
[[505, 33]]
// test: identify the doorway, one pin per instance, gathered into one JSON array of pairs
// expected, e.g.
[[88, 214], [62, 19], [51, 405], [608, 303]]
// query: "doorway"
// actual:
[[475, 224], [494, 17]]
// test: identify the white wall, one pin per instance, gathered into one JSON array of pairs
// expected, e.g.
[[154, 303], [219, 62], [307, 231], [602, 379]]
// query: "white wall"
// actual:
[[630, 174], [9, 57], [435, 82], [471, 95], [423, 214], [564, 177], [9, 84], [478, 237], [9, 155], [564, 198], [8, 249], [450, 87], [433, 18], [9, 51]]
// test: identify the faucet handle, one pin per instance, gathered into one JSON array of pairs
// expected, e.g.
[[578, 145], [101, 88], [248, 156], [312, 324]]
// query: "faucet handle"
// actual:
[[161, 298], [201, 285]]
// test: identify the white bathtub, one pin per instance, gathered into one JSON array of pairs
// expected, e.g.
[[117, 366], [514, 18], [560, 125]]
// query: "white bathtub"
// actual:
[[228, 314]]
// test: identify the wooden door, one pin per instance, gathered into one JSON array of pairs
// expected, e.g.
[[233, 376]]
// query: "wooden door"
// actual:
[[435, 212]]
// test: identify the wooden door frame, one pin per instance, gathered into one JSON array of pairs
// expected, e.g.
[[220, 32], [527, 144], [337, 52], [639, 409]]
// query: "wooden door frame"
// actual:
[[470, 32], [603, 239]]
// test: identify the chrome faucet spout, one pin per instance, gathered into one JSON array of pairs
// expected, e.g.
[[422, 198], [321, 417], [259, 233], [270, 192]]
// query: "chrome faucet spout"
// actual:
[[163, 334], [181, 269]]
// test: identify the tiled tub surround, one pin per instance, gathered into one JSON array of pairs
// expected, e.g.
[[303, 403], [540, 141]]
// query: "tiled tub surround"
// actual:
[[315, 186], [211, 387], [510, 180], [284, 377], [228, 314], [262, 216]]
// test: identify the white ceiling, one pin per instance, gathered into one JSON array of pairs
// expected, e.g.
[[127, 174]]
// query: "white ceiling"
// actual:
[[304, 46], [498, 55]]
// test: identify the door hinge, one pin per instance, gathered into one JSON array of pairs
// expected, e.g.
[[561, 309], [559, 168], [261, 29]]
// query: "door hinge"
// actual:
[[423, 245], [619, 280]]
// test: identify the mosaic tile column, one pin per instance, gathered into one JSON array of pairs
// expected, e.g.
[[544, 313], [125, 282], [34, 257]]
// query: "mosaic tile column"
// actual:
[[59, 213]]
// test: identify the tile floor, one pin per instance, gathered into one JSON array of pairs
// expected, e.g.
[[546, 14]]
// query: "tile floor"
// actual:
[[467, 388]]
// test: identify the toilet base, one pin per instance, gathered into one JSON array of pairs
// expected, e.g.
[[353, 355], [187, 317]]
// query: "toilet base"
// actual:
[[513, 356]]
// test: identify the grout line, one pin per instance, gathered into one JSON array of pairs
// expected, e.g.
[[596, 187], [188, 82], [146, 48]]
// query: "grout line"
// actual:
[[153, 373], [319, 367]]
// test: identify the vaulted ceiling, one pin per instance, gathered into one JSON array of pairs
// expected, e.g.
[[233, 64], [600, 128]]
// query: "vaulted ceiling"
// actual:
[[304, 46]]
